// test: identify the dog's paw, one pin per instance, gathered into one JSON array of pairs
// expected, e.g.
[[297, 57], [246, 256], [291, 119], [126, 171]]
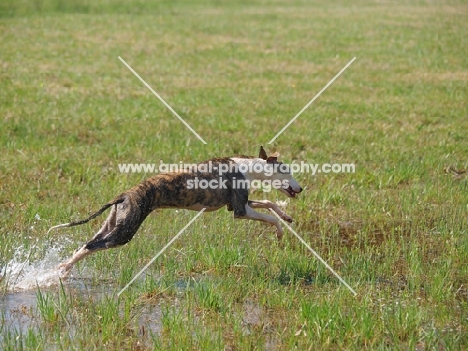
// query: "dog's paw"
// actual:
[[64, 270], [287, 218]]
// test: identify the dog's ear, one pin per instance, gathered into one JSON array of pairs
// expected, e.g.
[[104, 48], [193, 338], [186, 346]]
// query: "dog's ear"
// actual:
[[273, 158], [262, 154]]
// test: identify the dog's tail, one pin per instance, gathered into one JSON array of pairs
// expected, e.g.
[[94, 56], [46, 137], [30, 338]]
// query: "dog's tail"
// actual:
[[116, 201]]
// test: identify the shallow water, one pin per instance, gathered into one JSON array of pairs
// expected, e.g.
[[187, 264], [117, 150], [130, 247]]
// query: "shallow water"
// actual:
[[20, 279], [23, 276], [17, 310]]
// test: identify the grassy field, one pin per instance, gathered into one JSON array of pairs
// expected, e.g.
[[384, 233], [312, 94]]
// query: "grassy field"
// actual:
[[237, 72]]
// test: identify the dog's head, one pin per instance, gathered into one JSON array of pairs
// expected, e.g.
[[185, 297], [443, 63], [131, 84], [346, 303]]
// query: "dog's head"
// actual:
[[281, 171]]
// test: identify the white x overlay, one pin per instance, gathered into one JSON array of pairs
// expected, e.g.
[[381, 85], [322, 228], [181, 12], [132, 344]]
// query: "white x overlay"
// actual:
[[311, 101], [160, 252], [315, 253], [162, 100], [199, 213]]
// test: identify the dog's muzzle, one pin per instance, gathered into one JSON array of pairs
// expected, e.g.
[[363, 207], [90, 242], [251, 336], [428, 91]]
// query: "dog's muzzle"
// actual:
[[291, 192]]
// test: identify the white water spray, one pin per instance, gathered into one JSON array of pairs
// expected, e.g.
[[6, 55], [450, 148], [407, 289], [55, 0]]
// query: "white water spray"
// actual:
[[21, 273]]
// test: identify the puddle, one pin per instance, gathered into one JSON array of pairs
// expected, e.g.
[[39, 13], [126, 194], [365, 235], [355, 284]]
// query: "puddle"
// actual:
[[17, 311], [32, 269], [19, 281], [150, 320]]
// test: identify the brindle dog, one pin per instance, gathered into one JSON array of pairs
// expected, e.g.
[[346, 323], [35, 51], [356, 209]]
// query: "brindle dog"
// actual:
[[177, 190]]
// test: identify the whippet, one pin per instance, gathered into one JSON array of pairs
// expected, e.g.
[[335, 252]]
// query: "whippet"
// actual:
[[230, 185]]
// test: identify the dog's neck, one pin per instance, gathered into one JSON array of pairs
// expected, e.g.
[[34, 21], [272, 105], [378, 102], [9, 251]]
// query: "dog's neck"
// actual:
[[250, 164]]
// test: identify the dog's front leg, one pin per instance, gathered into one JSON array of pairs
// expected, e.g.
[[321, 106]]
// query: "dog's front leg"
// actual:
[[268, 204], [251, 214]]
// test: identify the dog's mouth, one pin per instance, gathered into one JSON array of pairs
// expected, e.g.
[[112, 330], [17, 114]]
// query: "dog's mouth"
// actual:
[[290, 192]]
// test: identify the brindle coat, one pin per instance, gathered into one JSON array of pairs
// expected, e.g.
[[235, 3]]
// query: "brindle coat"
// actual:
[[170, 190]]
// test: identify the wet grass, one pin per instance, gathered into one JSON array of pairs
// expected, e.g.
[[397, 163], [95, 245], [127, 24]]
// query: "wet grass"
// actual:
[[237, 72]]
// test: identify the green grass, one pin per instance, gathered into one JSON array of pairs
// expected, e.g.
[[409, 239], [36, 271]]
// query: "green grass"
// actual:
[[237, 72]]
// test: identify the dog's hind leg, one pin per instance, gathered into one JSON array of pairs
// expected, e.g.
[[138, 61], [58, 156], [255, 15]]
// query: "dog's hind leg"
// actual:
[[108, 226], [65, 267], [268, 204], [251, 214], [119, 229]]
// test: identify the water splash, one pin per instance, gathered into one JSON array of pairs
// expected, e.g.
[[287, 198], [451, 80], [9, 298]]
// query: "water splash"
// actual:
[[22, 273]]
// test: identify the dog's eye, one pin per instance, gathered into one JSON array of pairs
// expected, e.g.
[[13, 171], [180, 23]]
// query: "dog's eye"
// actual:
[[284, 168]]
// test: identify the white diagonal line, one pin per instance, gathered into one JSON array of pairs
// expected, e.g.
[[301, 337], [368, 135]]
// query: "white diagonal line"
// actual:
[[160, 252], [162, 100], [315, 253], [311, 101]]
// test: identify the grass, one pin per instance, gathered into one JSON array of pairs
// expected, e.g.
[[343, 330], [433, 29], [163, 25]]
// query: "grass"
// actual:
[[237, 72]]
